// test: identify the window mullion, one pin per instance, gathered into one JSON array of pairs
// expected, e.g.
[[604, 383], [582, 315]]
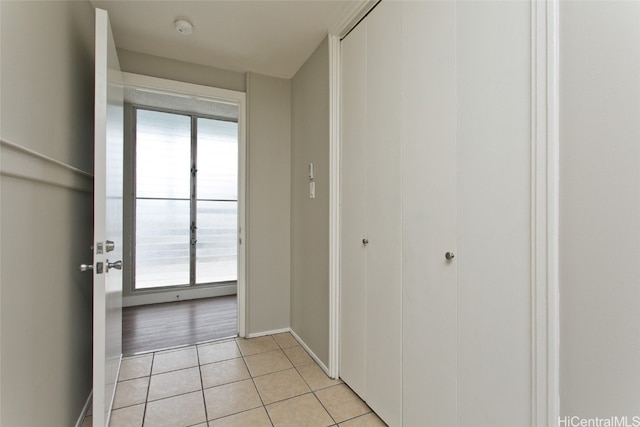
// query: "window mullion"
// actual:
[[194, 187]]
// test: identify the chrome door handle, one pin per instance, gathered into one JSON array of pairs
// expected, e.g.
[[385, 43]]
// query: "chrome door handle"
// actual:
[[86, 267], [449, 256], [365, 241], [117, 265]]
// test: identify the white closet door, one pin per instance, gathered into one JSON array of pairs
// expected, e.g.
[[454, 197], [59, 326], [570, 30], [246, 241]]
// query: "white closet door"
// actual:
[[494, 210], [429, 214], [384, 213], [353, 209]]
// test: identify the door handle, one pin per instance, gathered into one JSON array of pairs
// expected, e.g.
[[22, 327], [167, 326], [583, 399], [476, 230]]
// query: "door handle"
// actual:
[[109, 245], [365, 241], [89, 267], [117, 265], [449, 256]]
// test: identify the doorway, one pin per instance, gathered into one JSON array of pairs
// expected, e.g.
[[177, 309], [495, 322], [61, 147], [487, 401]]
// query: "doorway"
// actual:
[[184, 214]]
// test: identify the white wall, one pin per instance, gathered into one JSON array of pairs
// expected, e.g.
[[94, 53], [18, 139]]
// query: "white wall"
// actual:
[[268, 202], [46, 86], [310, 217], [156, 66], [600, 208]]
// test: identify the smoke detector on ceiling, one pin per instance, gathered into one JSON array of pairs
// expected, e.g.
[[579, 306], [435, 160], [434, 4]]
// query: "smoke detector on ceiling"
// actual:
[[184, 27]]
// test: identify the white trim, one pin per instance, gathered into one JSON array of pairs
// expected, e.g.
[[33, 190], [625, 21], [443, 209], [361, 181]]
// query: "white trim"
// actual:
[[311, 353], [173, 87], [352, 14], [553, 212], [300, 341], [334, 207], [85, 409], [544, 214], [20, 162], [243, 233], [271, 332], [183, 294]]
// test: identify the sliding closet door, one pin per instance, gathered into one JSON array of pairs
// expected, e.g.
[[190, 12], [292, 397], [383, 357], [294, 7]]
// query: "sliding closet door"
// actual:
[[371, 209], [429, 213], [384, 212], [353, 209], [494, 212]]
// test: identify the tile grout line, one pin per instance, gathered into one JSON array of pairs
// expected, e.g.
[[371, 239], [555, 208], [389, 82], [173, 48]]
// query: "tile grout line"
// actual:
[[204, 399], [254, 382], [324, 407], [146, 399], [311, 390], [309, 385]]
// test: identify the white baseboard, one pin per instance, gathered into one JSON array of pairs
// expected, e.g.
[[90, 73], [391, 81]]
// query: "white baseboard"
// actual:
[[179, 295], [84, 411], [300, 341], [271, 332], [311, 353]]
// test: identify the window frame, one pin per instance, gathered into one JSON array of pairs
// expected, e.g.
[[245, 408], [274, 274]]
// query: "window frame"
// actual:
[[130, 192]]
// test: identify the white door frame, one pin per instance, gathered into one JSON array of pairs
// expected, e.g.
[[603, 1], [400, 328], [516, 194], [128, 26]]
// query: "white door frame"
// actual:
[[226, 96], [544, 204]]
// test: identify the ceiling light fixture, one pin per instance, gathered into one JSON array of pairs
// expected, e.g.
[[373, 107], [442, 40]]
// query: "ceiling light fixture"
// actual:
[[184, 27]]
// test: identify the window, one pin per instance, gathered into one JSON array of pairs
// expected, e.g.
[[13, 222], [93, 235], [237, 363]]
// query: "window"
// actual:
[[186, 199]]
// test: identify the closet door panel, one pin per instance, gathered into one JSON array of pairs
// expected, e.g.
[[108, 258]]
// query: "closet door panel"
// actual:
[[384, 208], [353, 209], [494, 211], [429, 214]]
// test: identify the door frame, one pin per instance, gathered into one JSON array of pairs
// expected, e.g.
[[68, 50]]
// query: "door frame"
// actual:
[[173, 87], [545, 341]]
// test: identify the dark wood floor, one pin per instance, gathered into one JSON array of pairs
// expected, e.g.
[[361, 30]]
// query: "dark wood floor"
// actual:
[[160, 326]]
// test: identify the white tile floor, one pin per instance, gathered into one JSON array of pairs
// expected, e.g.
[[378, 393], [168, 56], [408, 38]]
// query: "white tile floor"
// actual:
[[266, 381]]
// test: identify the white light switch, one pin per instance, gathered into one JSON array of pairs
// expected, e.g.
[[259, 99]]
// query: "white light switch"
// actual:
[[312, 190]]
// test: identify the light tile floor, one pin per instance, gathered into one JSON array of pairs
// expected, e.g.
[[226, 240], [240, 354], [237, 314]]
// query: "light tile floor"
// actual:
[[266, 381]]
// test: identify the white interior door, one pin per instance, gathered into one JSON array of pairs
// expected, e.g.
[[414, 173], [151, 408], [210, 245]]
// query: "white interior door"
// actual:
[[384, 213], [353, 209], [371, 270], [107, 246], [429, 212], [494, 167]]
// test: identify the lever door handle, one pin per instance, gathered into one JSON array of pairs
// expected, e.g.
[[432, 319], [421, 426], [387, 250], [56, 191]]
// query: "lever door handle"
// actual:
[[117, 265]]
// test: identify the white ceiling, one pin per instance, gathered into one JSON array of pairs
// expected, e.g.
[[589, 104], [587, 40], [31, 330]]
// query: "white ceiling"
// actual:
[[265, 36]]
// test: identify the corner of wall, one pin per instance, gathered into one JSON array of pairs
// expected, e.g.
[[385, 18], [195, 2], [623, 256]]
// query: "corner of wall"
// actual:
[[268, 202], [310, 132]]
